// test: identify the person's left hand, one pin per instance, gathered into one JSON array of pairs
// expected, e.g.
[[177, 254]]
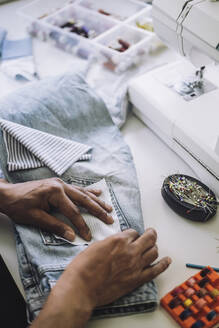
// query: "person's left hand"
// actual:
[[31, 202]]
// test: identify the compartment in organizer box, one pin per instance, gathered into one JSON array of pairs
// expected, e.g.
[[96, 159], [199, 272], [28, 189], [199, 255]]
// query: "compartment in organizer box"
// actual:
[[69, 42], [139, 42], [124, 32], [40, 9], [143, 20], [117, 9]]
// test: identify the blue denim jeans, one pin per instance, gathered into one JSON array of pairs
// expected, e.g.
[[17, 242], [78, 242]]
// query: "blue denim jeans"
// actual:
[[67, 107]]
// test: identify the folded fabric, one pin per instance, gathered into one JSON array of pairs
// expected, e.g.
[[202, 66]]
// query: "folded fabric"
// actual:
[[99, 230], [16, 48], [30, 148], [17, 59]]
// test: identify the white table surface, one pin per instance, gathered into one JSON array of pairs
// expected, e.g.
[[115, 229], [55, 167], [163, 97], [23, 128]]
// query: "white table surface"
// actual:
[[184, 241]]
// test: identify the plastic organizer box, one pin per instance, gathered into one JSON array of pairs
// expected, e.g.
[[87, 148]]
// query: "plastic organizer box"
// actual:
[[118, 32], [195, 303]]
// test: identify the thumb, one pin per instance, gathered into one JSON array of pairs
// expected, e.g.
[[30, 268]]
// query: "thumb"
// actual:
[[50, 223]]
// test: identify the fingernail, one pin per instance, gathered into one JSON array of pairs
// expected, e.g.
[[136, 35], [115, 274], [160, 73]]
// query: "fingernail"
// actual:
[[96, 191], [69, 235], [88, 235], [110, 219], [153, 231], [169, 260], [109, 208], [150, 229]]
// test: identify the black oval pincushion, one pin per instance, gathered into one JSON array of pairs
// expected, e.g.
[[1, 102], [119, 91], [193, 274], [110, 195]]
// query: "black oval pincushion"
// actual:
[[189, 197]]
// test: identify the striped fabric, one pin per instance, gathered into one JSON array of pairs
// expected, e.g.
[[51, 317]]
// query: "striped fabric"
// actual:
[[28, 148]]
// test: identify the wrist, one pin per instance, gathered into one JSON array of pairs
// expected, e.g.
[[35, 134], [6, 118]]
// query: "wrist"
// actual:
[[78, 296], [76, 288], [5, 188], [69, 307], [82, 278], [68, 304]]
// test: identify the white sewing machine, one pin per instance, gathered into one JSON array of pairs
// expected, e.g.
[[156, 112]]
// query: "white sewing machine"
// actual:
[[179, 101]]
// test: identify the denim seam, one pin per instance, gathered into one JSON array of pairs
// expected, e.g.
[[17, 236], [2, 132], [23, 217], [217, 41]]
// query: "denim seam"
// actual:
[[43, 270], [125, 310], [126, 305], [35, 282], [115, 202]]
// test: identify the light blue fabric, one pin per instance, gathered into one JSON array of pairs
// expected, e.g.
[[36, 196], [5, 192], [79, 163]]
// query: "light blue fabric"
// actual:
[[12, 49], [68, 107]]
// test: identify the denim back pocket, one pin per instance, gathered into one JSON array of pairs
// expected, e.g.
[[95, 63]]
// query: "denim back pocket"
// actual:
[[53, 240]]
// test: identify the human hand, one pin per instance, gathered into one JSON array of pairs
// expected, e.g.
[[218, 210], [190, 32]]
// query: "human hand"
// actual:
[[115, 266], [102, 273], [31, 202]]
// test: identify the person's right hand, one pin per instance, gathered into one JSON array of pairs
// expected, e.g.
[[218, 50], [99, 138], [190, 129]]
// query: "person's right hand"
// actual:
[[115, 266], [105, 271]]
